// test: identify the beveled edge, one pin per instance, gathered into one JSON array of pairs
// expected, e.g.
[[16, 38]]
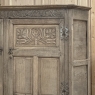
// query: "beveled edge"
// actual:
[[70, 6]]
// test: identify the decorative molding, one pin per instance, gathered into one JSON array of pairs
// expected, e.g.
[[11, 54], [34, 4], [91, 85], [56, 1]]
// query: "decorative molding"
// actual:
[[46, 13]]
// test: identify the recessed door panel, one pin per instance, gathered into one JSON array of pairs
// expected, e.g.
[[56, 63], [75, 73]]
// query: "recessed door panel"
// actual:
[[35, 35], [49, 76], [23, 76]]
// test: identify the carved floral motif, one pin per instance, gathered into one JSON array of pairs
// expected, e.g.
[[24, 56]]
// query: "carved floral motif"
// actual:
[[36, 36]]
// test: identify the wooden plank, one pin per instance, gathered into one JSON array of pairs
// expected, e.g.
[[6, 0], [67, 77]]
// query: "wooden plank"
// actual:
[[89, 48], [75, 2], [81, 15], [1, 57], [41, 53], [82, 2], [62, 57], [19, 2], [38, 2], [80, 80], [7, 63], [44, 2], [58, 2], [66, 53], [93, 44], [53, 2], [6, 2], [36, 21], [70, 21]]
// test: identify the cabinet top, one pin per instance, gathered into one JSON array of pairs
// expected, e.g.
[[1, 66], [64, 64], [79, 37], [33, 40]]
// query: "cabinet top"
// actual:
[[70, 6]]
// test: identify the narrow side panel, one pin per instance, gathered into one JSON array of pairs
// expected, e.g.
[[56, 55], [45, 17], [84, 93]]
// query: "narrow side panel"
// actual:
[[80, 80], [80, 40]]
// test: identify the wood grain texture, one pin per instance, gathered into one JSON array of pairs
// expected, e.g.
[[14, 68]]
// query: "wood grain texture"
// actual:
[[48, 62], [93, 45], [49, 76], [80, 44], [1, 57], [80, 80], [44, 2], [80, 53], [23, 75]]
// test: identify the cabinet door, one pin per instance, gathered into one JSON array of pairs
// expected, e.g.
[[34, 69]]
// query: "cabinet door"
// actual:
[[33, 57]]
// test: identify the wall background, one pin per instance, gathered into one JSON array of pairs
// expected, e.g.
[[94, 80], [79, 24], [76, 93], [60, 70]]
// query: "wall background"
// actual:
[[44, 2], [89, 3]]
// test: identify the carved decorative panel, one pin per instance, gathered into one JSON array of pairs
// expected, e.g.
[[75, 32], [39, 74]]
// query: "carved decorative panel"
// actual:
[[39, 35], [50, 13]]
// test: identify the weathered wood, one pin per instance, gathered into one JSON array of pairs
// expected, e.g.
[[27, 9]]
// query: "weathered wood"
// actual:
[[35, 75], [49, 76], [1, 56], [80, 80], [46, 56], [80, 42], [23, 75], [45, 2], [70, 23], [93, 46], [79, 51]]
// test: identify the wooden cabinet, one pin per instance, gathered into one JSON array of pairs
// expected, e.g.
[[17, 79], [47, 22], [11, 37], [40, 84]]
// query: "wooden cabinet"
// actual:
[[44, 50]]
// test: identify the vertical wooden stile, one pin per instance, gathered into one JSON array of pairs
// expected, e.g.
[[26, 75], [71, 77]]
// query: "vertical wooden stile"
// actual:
[[1, 57]]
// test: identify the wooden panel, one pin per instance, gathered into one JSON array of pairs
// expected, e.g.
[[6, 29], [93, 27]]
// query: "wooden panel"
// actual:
[[44, 2], [8, 66], [36, 35], [83, 2], [23, 75], [49, 76], [37, 2], [80, 44], [80, 62], [93, 44], [80, 80], [20, 2], [80, 15], [79, 54]]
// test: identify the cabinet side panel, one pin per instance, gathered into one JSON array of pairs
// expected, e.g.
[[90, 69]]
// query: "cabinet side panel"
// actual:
[[80, 68], [80, 40], [22, 77], [80, 80]]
